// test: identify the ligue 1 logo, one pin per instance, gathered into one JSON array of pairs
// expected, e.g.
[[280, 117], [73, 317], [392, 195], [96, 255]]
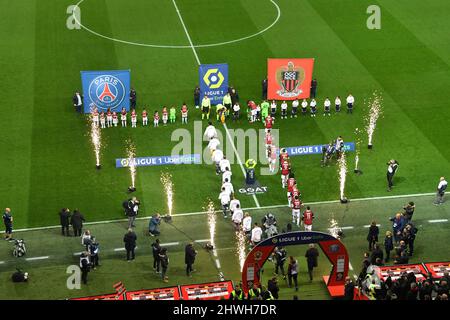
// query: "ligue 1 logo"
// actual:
[[107, 91]]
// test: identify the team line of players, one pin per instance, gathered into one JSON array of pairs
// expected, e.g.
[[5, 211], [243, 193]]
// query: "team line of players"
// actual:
[[111, 118]]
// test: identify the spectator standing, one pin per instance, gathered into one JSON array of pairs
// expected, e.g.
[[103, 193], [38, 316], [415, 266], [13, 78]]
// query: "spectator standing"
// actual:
[[388, 245], [349, 289], [442, 186], [311, 258], [164, 258], [133, 98], [153, 226], [273, 288], [280, 259], [264, 89], [313, 88], [293, 272], [8, 222], [93, 250], [84, 266], [409, 211], [78, 102], [372, 237], [156, 250], [398, 223], [132, 211], [76, 221], [197, 97], [189, 258], [64, 218], [391, 170], [86, 239], [130, 239]]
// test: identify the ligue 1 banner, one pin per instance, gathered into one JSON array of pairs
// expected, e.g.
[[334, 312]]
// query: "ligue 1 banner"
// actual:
[[106, 90], [213, 81], [289, 79]]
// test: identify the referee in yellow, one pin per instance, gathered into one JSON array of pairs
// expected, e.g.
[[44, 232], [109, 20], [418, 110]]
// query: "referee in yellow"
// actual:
[[206, 107]]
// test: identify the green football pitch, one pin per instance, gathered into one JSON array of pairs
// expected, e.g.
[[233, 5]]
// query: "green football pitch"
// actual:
[[48, 162]]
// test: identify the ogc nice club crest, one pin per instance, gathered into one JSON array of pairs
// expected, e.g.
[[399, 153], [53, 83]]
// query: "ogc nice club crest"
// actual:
[[289, 79]]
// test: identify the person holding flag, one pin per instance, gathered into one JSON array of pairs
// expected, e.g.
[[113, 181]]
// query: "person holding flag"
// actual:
[[206, 107]]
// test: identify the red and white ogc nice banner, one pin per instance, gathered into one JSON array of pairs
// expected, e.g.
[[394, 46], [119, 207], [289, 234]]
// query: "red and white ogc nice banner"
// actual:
[[289, 79]]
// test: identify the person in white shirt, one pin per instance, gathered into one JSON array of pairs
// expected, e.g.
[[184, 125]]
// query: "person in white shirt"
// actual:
[[224, 198], [210, 132], [247, 225], [258, 112], [236, 111], [337, 104], [228, 187], [327, 107], [273, 109], [442, 186], [217, 155], [224, 163], [235, 203], [350, 102], [213, 144], [313, 105], [284, 107], [304, 107], [237, 217], [256, 234], [226, 175], [253, 115], [295, 105]]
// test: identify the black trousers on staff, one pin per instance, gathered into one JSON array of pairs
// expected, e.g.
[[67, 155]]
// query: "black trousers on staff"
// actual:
[[390, 177]]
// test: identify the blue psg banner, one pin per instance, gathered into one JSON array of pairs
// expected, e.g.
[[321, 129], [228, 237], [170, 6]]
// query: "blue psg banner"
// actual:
[[305, 150], [106, 90], [213, 81], [159, 161]]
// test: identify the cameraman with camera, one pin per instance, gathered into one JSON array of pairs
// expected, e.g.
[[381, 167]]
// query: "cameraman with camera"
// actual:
[[392, 168]]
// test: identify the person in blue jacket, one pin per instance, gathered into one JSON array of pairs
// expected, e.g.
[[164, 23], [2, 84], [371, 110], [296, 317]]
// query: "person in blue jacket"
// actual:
[[398, 223]]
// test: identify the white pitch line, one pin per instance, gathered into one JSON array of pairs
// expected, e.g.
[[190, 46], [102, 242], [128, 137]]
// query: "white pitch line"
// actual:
[[78, 253], [347, 228], [248, 209], [187, 33], [368, 225], [121, 249], [437, 220], [37, 258], [239, 160], [202, 240], [2, 262], [218, 264], [350, 266], [168, 244]]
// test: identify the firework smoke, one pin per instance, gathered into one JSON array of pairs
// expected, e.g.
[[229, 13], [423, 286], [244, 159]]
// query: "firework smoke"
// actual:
[[375, 112], [131, 151], [166, 180], [240, 248], [96, 139], [342, 173], [334, 227]]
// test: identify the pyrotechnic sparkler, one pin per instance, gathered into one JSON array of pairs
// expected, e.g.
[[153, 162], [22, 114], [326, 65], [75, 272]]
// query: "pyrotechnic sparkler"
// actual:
[[96, 139], [166, 180], [342, 174], [240, 248], [357, 149], [211, 222], [132, 164], [375, 112]]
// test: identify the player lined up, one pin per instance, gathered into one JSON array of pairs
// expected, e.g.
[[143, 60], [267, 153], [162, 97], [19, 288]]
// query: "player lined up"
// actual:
[[258, 112], [111, 118]]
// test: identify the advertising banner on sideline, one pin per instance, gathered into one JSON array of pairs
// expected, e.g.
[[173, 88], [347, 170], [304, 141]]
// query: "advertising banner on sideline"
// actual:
[[213, 81], [106, 90], [289, 79]]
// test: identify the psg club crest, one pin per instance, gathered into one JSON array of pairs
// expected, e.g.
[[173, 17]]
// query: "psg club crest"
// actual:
[[107, 91], [289, 79]]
